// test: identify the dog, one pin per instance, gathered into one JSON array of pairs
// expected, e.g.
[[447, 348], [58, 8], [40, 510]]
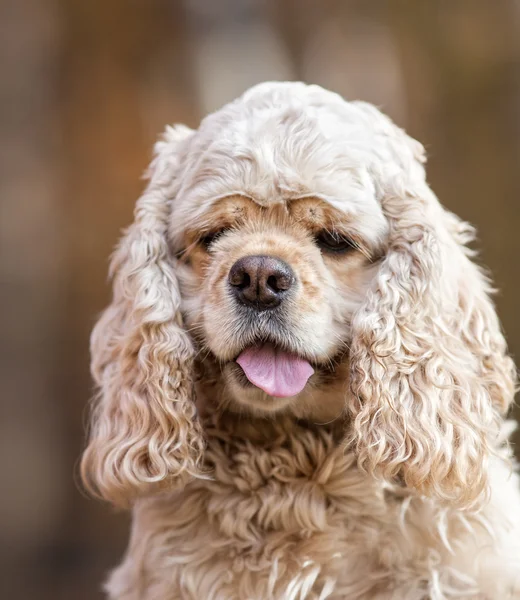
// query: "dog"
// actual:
[[302, 380]]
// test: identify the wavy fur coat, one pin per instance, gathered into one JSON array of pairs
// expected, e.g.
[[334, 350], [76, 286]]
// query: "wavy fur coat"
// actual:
[[387, 475]]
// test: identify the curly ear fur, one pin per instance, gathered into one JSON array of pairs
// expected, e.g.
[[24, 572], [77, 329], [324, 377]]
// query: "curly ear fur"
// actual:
[[430, 372], [144, 428]]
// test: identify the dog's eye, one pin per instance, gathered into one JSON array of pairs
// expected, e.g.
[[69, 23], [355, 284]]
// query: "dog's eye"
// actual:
[[332, 241], [208, 238]]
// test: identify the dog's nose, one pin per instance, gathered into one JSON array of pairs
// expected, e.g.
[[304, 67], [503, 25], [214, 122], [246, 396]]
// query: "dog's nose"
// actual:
[[260, 281]]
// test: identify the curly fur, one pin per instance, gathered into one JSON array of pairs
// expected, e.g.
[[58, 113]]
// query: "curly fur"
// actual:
[[144, 427], [405, 491]]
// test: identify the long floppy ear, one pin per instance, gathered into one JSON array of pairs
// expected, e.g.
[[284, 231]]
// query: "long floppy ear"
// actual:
[[431, 378], [144, 428]]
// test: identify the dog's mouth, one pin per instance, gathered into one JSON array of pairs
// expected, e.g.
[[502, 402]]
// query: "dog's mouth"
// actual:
[[277, 371]]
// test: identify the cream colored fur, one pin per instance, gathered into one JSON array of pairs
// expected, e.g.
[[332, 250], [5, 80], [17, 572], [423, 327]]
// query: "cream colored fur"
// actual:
[[389, 476]]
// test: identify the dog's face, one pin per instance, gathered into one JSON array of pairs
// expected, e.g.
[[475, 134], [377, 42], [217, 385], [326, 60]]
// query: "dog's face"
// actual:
[[278, 230], [269, 292], [288, 256]]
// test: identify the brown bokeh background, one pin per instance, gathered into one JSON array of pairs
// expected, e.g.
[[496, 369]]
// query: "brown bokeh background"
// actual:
[[85, 87]]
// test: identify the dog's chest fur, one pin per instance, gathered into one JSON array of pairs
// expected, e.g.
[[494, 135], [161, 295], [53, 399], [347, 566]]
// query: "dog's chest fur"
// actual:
[[288, 519], [291, 518]]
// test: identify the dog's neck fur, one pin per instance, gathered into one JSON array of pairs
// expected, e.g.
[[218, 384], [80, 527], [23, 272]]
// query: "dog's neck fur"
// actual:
[[264, 432]]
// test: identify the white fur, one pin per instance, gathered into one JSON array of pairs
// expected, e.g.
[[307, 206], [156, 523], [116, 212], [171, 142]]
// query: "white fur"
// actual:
[[412, 494]]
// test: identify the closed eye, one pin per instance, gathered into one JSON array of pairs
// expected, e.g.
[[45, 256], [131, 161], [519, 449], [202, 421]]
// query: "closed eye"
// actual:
[[209, 238], [334, 242]]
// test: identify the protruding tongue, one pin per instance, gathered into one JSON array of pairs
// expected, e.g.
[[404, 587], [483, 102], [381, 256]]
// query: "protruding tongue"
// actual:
[[274, 371]]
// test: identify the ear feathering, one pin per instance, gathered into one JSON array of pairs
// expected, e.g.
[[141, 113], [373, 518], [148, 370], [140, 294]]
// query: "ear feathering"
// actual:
[[431, 377], [144, 428]]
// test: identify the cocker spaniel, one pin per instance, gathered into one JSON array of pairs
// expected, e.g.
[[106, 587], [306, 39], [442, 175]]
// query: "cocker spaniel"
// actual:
[[302, 378]]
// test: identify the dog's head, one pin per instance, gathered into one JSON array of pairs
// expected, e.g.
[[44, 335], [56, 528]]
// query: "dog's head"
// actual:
[[292, 248]]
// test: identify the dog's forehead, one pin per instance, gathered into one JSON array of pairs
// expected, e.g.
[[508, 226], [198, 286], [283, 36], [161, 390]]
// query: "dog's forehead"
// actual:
[[274, 148]]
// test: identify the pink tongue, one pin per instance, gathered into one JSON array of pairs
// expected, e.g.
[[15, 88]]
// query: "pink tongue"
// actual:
[[276, 372]]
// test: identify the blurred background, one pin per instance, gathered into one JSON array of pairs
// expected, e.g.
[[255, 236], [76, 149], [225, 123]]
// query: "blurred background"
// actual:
[[86, 86]]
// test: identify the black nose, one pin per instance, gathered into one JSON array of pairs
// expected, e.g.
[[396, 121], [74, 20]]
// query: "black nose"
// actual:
[[260, 281]]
